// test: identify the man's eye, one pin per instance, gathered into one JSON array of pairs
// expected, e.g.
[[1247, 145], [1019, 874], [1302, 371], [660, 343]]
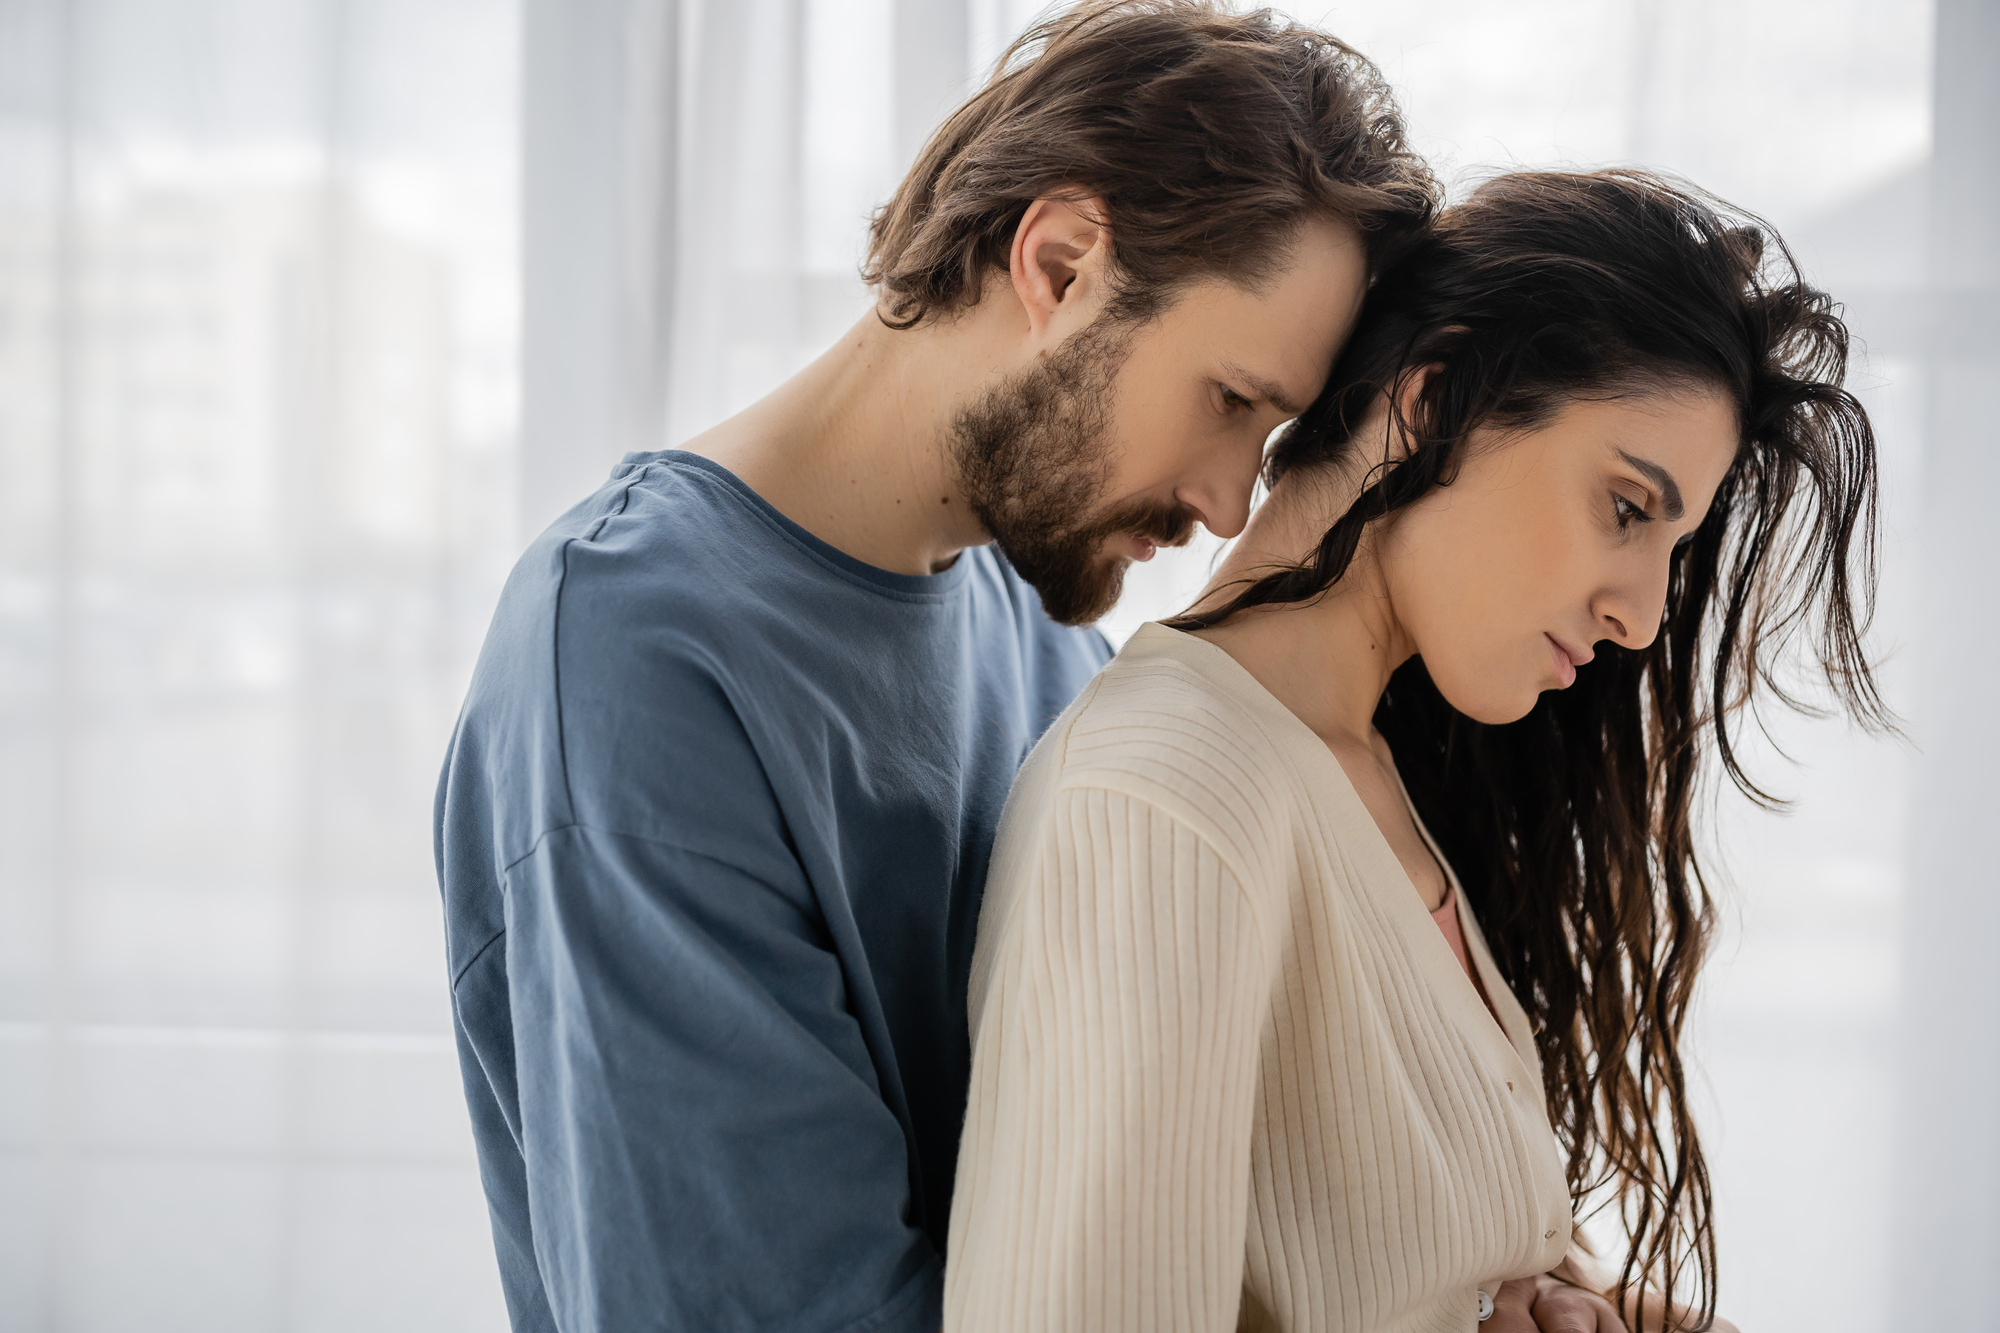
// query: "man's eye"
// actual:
[[1232, 399]]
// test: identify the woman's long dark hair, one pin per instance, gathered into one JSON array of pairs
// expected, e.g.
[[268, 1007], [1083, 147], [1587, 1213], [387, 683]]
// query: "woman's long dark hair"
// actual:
[[1570, 829]]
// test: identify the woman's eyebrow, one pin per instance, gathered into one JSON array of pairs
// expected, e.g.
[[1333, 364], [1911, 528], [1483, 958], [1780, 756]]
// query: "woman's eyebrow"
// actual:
[[1663, 481]]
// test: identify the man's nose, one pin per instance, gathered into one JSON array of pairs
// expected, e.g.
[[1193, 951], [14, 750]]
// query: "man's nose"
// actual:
[[1221, 500]]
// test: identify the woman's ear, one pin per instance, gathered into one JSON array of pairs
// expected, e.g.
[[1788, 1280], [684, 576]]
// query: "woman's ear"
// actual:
[[1406, 421], [1059, 262]]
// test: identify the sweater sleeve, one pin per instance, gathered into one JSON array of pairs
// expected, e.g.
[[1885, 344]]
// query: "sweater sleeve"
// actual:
[[1103, 1178]]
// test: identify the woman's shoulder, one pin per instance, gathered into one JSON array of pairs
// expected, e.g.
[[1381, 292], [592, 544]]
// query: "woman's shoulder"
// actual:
[[1158, 739], [1166, 723]]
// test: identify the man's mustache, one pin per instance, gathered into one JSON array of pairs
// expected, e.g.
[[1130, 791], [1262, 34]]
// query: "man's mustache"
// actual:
[[1161, 524], [1175, 531]]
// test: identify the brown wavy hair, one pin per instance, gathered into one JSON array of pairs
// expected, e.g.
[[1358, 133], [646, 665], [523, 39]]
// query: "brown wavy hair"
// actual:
[[1209, 135], [1570, 829]]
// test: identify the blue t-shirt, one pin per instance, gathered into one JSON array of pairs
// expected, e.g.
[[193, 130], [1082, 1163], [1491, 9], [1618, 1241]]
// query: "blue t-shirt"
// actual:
[[712, 835]]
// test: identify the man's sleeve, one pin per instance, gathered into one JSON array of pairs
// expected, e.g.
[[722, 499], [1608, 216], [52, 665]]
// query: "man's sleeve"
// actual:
[[704, 1142]]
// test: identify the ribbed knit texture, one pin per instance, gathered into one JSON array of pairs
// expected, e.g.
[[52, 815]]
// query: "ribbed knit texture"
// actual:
[[1227, 1072]]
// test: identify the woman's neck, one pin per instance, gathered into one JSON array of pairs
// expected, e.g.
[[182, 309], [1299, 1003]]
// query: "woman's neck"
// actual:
[[1327, 660]]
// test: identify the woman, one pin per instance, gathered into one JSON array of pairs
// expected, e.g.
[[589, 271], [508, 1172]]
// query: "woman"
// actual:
[[1340, 937]]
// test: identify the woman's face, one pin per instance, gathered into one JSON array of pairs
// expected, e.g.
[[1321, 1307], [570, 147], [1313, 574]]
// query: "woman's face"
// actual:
[[1552, 541]]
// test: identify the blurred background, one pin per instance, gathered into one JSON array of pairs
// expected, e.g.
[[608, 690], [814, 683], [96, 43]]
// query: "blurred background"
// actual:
[[313, 311]]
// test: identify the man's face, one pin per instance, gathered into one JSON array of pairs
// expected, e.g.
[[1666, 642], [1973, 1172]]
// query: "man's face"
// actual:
[[1126, 436]]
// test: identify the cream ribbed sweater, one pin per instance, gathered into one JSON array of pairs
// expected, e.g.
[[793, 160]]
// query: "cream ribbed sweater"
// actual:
[[1227, 1072]]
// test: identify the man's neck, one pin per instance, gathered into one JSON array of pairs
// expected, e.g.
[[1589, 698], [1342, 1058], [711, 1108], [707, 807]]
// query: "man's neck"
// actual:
[[856, 448]]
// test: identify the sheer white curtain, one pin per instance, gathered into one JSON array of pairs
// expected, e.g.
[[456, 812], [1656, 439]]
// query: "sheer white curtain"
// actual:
[[274, 276], [698, 178], [257, 400], [1947, 1164]]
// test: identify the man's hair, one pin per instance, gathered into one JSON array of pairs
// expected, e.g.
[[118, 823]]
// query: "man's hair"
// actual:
[[1210, 136]]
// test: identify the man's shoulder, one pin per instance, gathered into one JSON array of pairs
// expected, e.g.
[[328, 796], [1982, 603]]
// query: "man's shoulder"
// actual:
[[601, 673], [626, 559], [668, 535], [674, 556], [665, 574], [670, 618]]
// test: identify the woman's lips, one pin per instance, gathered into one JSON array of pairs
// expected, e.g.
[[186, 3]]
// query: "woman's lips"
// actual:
[[1565, 667]]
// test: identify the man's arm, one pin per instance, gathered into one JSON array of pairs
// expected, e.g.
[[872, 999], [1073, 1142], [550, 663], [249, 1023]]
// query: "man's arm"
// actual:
[[679, 1117], [705, 1146]]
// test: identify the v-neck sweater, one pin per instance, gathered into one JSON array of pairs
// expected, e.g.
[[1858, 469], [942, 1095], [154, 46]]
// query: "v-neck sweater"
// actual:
[[1227, 1073]]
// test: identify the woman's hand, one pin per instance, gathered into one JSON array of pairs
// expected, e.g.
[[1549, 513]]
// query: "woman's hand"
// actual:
[[1547, 1304]]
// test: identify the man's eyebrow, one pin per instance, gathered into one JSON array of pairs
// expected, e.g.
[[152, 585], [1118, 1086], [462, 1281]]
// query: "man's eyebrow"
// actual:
[[1663, 481], [1269, 390]]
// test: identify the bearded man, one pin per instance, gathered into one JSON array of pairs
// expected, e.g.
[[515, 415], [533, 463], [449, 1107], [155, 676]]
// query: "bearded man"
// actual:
[[714, 824]]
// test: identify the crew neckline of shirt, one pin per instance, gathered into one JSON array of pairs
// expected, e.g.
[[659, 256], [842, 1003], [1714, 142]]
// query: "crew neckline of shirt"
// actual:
[[920, 585]]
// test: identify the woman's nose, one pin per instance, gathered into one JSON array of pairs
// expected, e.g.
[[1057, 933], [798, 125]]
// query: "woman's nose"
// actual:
[[1630, 616]]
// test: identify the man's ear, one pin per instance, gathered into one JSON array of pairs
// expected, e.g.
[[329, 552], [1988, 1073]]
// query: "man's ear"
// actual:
[[1062, 249]]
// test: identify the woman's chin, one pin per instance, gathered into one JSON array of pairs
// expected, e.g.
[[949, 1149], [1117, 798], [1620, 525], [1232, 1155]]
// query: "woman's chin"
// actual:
[[1500, 717], [1489, 706]]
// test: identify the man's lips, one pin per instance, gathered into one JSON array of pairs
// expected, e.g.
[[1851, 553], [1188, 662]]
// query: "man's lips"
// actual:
[[1139, 534], [1567, 660], [1143, 546]]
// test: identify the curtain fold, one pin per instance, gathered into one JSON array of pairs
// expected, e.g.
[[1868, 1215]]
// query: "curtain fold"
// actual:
[[695, 178], [599, 155]]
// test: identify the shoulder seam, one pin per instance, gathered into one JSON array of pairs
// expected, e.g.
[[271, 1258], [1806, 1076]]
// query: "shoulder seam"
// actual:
[[536, 845], [477, 954], [555, 631], [578, 826], [555, 670], [1083, 705]]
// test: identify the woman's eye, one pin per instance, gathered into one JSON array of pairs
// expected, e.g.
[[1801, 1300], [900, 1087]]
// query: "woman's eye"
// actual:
[[1627, 511], [1232, 399]]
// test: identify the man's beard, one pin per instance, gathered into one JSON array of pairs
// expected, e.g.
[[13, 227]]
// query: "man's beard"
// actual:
[[1033, 461]]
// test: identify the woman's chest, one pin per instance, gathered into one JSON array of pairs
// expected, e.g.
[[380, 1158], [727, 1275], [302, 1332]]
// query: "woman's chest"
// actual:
[[1401, 1157]]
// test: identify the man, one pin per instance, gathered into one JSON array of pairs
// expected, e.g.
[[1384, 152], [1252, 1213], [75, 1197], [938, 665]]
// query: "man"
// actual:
[[714, 824]]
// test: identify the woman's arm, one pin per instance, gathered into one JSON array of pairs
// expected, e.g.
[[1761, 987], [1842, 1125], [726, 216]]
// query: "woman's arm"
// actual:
[[1103, 1177]]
